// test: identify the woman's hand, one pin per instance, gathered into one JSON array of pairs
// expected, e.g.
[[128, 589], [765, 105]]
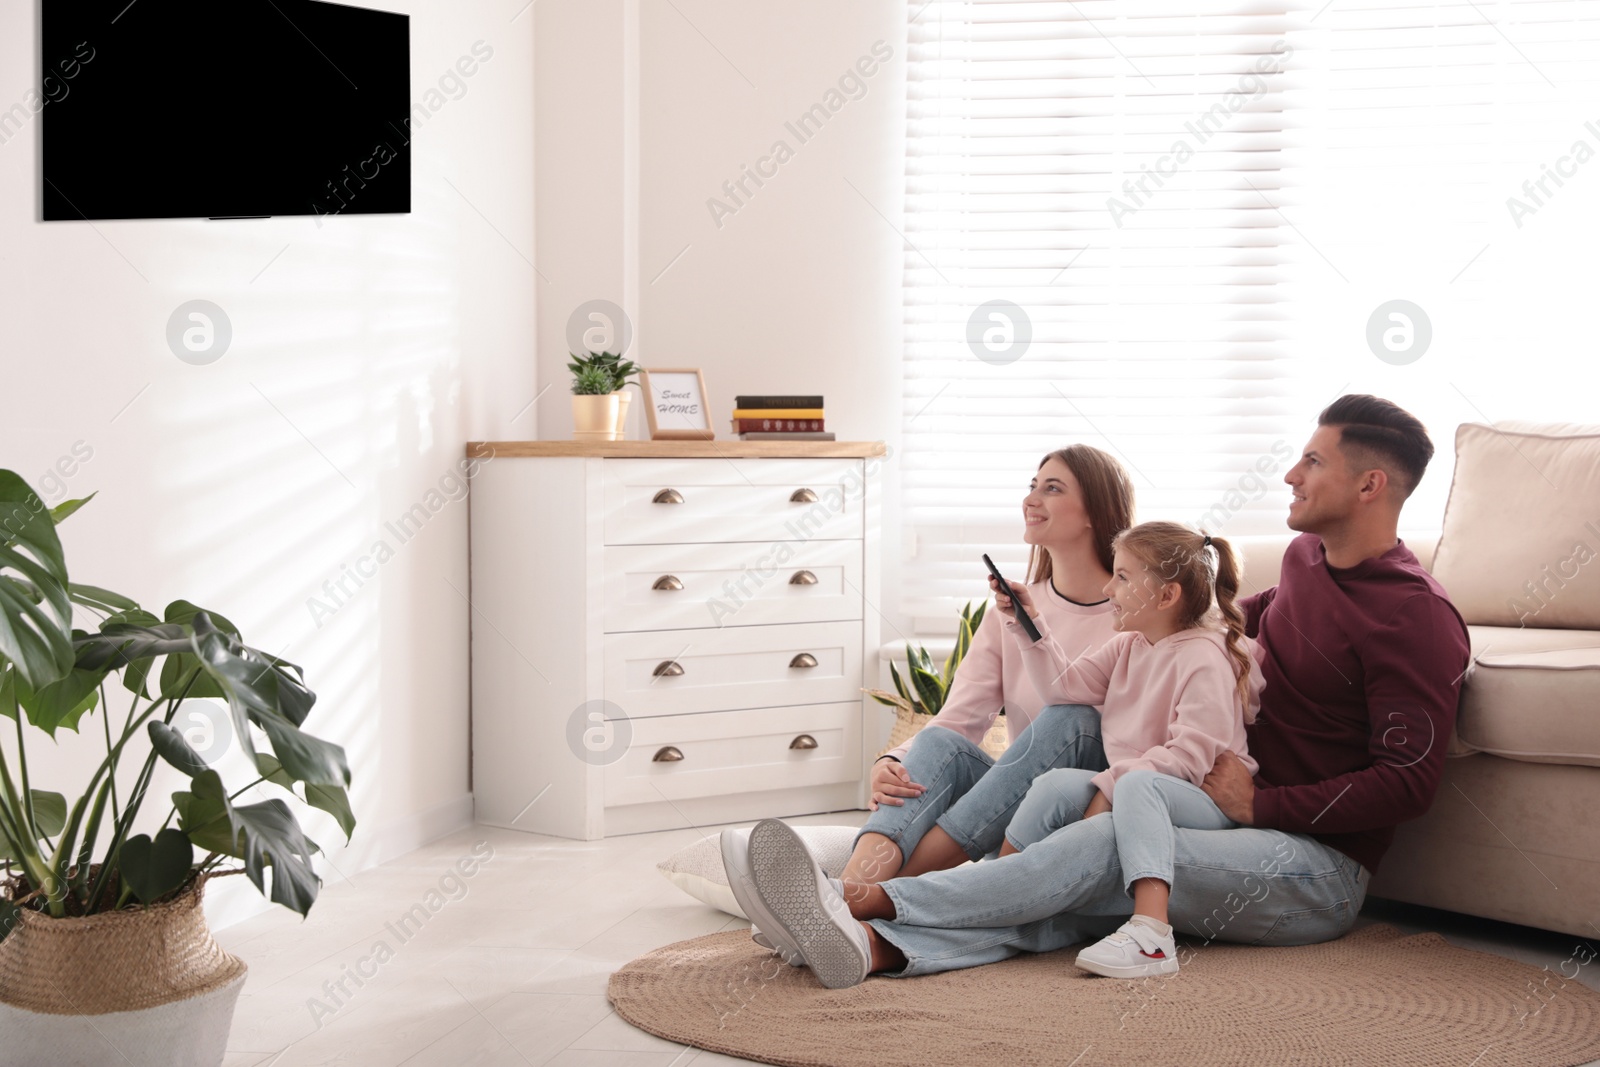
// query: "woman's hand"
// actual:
[[1097, 805], [1004, 603], [890, 781]]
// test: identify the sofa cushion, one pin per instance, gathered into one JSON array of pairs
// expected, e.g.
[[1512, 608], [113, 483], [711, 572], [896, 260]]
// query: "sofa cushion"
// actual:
[[1536, 707], [1503, 640], [1522, 526]]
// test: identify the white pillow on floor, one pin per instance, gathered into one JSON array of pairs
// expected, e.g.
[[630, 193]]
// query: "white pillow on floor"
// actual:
[[697, 869]]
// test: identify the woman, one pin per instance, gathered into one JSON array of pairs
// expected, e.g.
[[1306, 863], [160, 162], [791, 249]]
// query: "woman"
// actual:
[[940, 800]]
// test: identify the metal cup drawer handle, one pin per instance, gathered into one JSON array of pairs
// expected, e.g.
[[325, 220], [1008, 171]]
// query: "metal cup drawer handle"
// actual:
[[667, 496], [667, 668], [667, 582], [670, 754], [803, 741], [802, 578], [804, 659], [803, 496]]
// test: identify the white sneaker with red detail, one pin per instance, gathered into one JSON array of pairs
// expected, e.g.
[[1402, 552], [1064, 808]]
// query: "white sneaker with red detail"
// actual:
[[1133, 950]]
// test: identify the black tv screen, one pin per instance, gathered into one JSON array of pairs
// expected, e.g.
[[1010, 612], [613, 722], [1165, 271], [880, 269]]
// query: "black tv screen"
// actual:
[[223, 108]]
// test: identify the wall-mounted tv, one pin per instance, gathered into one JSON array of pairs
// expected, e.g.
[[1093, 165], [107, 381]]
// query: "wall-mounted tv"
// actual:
[[223, 109]]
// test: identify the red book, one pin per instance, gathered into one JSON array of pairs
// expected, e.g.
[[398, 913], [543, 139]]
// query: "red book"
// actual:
[[777, 425]]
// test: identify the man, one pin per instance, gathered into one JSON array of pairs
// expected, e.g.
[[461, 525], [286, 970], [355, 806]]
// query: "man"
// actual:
[[1363, 657]]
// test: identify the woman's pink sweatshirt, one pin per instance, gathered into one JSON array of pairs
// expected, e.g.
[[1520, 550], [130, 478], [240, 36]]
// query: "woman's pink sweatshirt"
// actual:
[[992, 675], [1170, 706]]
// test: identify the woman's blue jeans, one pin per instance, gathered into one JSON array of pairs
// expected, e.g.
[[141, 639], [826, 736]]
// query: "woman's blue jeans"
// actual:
[[973, 797]]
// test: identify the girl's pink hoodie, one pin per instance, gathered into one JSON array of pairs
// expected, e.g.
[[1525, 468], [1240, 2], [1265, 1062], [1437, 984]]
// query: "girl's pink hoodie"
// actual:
[[1170, 706]]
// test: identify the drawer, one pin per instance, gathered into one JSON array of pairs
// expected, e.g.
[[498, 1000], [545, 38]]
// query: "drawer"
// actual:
[[674, 587], [680, 671], [665, 501], [737, 752]]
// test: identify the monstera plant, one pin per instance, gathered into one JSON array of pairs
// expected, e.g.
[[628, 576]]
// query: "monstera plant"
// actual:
[[82, 856]]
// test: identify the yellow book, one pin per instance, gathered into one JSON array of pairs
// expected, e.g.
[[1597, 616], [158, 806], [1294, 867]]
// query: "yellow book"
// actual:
[[777, 413]]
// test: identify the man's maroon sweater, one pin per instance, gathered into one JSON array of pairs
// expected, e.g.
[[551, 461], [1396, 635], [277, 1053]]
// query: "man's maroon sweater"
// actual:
[[1363, 667]]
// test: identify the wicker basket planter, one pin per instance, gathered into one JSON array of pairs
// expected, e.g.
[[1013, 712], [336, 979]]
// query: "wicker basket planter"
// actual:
[[141, 987], [907, 724]]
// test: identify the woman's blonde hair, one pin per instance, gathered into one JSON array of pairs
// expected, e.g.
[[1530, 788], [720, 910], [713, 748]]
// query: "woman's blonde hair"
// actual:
[[1174, 552], [1107, 497]]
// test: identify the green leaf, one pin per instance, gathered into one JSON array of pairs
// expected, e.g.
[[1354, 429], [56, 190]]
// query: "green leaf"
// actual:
[[885, 698], [120, 643], [274, 699], [268, 767], [35, 611], [182, 672], [900, 683], [336, 802], [49, 812], [62, 703], [181, 611], [152, 869], [929, 689], [171, 746], [268, 835], [307, 759], [49, 815], [67, 507], [8, 692], [92, 596], [206, 814]]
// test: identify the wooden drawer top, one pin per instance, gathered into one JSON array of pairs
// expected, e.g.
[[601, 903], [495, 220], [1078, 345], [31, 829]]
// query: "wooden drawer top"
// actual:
[[733, 449]]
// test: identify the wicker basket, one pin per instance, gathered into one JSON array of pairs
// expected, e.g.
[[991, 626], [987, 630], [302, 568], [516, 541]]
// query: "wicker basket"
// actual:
[[908, 723], [149, 982]]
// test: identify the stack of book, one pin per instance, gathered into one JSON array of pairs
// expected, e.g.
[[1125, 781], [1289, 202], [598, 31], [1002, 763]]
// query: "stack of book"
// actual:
[[779, 418]]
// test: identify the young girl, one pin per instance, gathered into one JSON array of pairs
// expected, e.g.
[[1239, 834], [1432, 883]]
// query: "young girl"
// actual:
[[1174, 691]]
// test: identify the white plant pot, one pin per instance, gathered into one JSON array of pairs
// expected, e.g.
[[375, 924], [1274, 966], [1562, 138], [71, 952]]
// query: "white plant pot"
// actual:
[[138, 987], [184, 1033]]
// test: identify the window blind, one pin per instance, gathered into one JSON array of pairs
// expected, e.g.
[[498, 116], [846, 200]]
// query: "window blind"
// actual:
[[1195, 207]]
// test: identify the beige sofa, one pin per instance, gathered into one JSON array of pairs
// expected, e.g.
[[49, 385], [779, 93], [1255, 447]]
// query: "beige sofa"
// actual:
[[1514, 831]]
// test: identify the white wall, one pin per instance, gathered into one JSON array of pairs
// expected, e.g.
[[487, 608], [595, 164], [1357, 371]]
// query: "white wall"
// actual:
[[645, 111], [365, 353]]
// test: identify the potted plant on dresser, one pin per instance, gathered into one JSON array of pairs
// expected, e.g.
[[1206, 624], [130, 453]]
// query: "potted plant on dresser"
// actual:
[[105, 956], [594, 403], [915, 704], [587, 421]]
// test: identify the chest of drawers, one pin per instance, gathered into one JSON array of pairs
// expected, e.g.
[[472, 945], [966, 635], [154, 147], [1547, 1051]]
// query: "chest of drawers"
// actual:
[[670, 634]]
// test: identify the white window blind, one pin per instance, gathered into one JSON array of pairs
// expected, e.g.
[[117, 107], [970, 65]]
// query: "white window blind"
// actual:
[[1197, 206]]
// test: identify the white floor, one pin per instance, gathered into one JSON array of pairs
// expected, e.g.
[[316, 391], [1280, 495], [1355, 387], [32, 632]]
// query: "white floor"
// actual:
[[511, 968]]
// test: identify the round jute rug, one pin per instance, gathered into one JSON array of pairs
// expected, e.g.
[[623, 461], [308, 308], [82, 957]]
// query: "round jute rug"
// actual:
[[1376, 996]]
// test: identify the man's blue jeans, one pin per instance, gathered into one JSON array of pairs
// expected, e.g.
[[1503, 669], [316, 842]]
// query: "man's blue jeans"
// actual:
[[973, 797], [1258, 887]]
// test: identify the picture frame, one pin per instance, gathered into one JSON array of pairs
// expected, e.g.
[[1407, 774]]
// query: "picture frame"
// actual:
[[675, 404]]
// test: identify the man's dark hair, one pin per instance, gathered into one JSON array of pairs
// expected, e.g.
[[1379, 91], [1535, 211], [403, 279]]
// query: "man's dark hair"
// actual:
[[1374, 433]]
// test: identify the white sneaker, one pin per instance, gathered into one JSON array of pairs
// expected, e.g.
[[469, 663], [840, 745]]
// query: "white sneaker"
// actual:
[[1133, 950], [764, 929], [808, 905]]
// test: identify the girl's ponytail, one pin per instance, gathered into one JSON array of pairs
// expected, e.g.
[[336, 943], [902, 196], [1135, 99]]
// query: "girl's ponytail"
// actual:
[[1233, 619]]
